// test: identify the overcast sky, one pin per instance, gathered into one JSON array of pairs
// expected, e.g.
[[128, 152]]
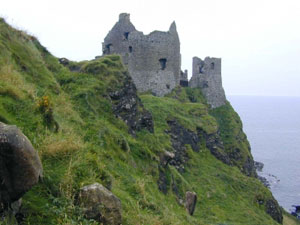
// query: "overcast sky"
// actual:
[[258, 40]]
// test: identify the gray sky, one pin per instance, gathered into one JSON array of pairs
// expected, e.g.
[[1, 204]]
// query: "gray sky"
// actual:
[[258, 40]]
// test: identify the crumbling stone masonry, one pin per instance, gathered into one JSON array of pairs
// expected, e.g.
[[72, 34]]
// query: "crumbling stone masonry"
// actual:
[[184, 82], [207, 77], [153, 60]]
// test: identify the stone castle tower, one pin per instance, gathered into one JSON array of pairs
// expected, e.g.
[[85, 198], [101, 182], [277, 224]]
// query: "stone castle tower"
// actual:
[[153, 60], [207, 77]]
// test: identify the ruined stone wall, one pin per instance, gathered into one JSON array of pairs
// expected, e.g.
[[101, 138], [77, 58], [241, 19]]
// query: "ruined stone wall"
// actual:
[[207, 77], [153, 60], [184, 82]]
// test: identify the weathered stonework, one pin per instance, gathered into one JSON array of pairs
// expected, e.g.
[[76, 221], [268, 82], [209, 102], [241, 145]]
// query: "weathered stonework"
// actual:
[[207, 77], [184, 82], [153, 60]]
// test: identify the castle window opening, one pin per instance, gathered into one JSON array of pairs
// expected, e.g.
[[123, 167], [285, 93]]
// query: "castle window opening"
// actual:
[[126, 35], [201, 69], [163, 63], [168, 86], [108, 48], [130, 49], [212, 66]]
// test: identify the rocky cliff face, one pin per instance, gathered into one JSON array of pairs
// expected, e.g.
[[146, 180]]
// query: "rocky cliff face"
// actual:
[[128, 106]]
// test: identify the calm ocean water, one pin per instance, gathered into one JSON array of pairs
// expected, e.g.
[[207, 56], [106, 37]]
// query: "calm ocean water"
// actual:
[[272, 125]]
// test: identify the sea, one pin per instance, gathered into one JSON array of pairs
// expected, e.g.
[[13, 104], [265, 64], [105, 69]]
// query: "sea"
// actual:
[[272, 125]]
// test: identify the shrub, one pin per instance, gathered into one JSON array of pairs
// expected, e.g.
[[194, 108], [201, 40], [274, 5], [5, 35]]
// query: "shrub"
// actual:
[[45, 108]]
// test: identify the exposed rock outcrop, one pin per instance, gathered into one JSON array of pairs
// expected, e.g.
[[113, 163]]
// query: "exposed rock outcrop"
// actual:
[[273, 209], [162, 181], [100, 204], [64, 61], [180, 136], [258, 166], [20, 166], [190, 202], [128, 106], [166, 157], [264, 180], [214, 143]]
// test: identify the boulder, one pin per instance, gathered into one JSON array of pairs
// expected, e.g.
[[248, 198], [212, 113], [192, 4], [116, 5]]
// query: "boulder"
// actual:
[[190, 202], [166, 157], [64, 61], [20, 165], [258, 166], [100, 204]]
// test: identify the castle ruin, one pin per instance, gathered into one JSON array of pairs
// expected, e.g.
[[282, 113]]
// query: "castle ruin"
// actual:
[[154, 61], [207, 77]]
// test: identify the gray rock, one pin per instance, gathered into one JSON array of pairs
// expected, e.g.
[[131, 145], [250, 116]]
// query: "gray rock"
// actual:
[[274, 210], [129, 107], [180, 137], [264, 180], [100, 204], [190, 202], [166, 157], [64, 61], [258, 166], [214, 143], [20, 165], [162, 181]]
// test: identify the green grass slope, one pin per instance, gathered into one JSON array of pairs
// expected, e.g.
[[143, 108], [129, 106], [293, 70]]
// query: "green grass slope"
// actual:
[[69, 119]]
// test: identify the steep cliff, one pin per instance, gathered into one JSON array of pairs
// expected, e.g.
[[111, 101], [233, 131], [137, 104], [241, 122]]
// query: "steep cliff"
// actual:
[[89, 126]]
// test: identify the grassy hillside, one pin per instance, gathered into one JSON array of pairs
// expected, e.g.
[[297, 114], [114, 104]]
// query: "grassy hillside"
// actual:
[[70, 119]]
